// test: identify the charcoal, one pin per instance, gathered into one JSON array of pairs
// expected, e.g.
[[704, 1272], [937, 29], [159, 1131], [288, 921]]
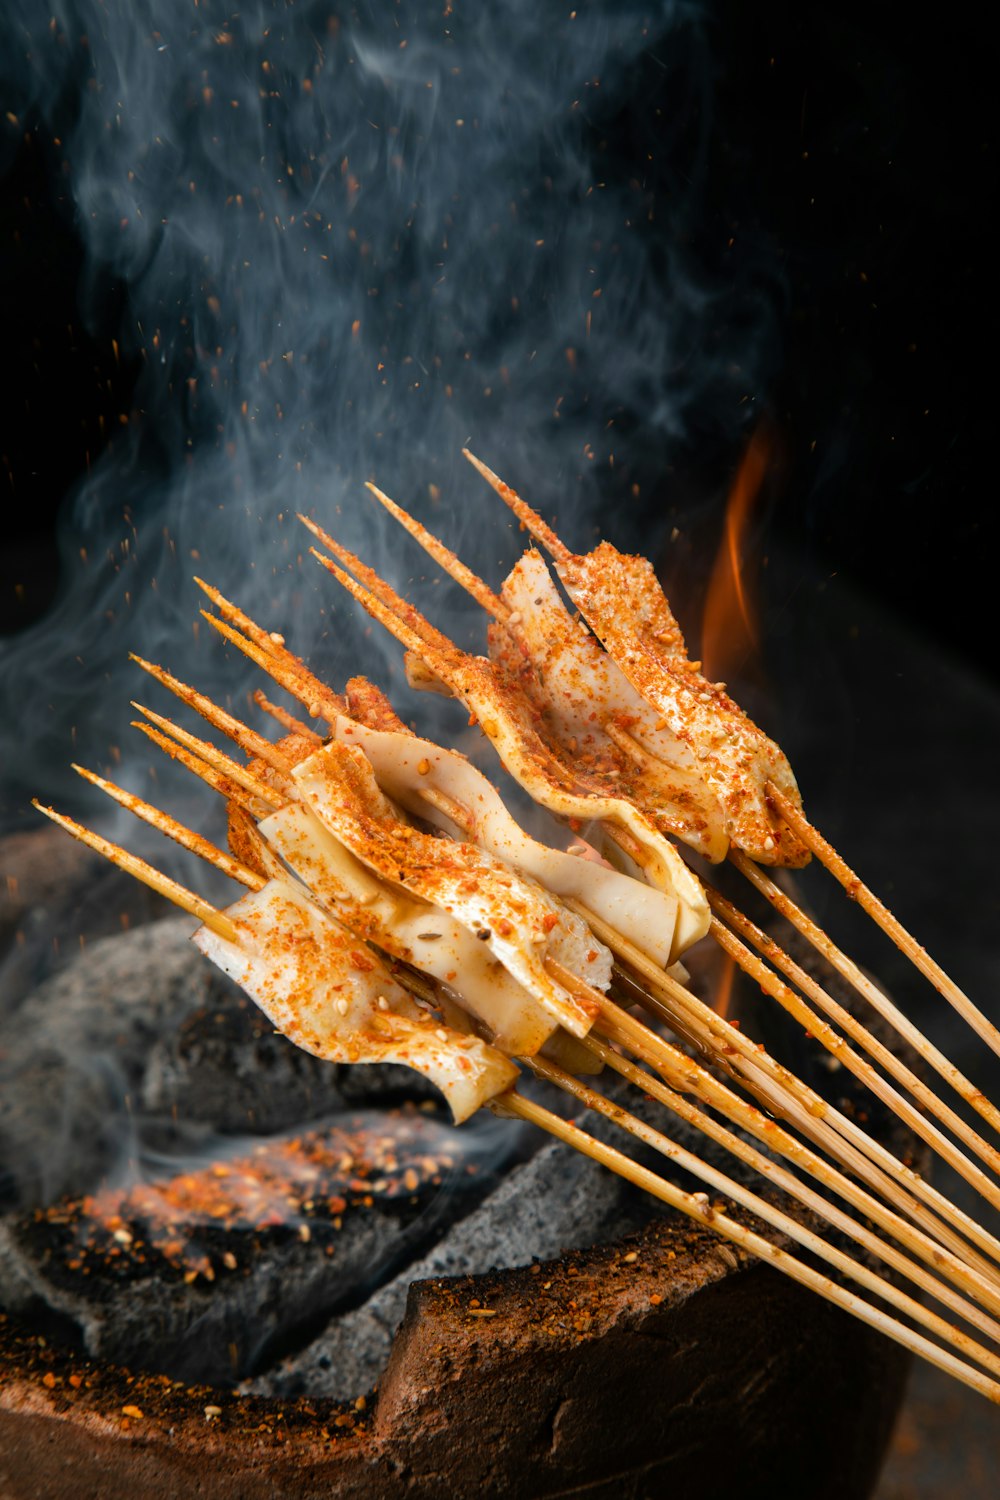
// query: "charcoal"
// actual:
[[54, 893], [73, 1057], [203, 1274], [225, 1066]]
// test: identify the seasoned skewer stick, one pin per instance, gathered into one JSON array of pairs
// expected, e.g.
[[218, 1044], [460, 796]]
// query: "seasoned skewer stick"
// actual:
[[423, 634], [528, 518], [880, 914], [193, 752], [227, 789], [444, 557], [323, 702], [186, 837], [255, 745], [814, 1120], [791, 1228], [788, 1183], [513, 1105], [187, 900], [301, 685], [889, 1061], [286, 720], [870, 992]]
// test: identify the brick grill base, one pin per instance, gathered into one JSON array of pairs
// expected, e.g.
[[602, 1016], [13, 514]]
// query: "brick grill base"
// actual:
[[579, 1384]]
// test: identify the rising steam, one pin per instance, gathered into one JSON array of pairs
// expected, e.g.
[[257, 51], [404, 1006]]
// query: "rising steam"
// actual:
[[353, 239]]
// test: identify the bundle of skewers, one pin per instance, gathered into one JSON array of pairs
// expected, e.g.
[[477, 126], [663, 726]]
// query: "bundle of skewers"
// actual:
[[395, 910]]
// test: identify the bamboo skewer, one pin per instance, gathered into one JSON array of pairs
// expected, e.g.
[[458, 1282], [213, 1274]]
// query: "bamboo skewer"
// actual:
[[880, 914], [323, 702], [938, 1250], [515, 1106], [175, 741], [254, 744], [870, 992], [794, 1187], [747, 1199], [444, 557], [888, 1060], [529, 519], [285, 719], [187, 900], [688, 1074], [227, 788], [186, 837]]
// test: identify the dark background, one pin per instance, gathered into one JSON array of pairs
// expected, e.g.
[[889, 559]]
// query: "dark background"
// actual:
[[853, 147]]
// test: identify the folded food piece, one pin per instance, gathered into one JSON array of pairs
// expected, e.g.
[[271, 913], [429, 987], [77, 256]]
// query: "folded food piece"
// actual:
[[622, 602], [583, 698], [519, 922], [329, 994], [410, 929], [407, 767]]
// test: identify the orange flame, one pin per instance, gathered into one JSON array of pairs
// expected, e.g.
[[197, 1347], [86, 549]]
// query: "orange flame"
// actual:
[[724, 990], [729, 634]]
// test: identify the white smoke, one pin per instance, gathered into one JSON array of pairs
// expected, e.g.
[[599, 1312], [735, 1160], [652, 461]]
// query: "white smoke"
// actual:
[[353, 239]]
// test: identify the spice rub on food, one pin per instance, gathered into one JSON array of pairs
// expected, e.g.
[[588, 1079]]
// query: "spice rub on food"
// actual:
[[621, 600], [514, 917], [566, 787], [330, 994], [589, 711]]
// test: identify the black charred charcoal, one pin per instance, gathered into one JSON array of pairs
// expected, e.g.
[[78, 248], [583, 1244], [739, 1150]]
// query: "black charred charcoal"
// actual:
[[199, 1273]]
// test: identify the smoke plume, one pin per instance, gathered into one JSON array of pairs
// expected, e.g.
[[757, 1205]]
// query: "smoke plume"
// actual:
[[351, 240]]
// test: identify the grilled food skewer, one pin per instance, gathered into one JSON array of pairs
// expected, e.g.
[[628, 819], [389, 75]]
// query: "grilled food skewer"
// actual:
[[807, 1114], [498, 608]]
